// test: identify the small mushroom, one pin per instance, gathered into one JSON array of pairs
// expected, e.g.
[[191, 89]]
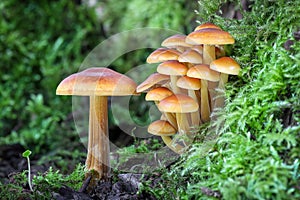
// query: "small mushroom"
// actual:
[[174, 69], [152, 81], [158, 94], [98, 84], [225, 66], [163, 54], [207, 25], [181, 105], [209, 37], [204, 73], [190, 57], [165, 130], [177, 42], [192, 85]]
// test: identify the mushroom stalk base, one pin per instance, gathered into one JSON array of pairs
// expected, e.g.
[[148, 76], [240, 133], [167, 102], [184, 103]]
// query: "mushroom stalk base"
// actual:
[[98, 144], [177, 148]]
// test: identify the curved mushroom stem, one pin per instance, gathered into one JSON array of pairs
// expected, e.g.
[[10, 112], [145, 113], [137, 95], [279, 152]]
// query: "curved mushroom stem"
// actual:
[[98, 143], [220, 101], [170, 117], [177, 148]]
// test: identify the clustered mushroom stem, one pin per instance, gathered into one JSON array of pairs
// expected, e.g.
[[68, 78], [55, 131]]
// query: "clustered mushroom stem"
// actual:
[[220, 101], [98, 144], [195, 116], [182, 123], [174, 87], [209, 55], [204, 107], [169, 116], [173, 146]]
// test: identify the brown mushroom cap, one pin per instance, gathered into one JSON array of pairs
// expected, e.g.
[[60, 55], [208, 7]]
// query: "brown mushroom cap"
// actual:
[[203, 72], [209, 36], [207, 25], [175, 41], [191, 56], [158, 94], [189, 83], [170, 54], [226, 65], [153, 57], [152, 80], [161, 128], [172, 67], [97, 81], [178, 103]]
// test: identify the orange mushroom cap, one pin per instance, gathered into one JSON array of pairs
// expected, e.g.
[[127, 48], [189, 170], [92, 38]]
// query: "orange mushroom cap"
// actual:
[[203, 72], [226, 65], [96, 81]]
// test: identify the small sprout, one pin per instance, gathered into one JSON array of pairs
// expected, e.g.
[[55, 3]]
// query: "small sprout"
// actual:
[[26, 154]]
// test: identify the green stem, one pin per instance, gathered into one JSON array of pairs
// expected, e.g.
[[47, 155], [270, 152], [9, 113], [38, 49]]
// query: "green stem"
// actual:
[[29, 174]]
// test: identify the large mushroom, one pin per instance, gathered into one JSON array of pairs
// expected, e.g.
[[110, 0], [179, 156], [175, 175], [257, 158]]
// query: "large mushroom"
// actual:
[[98, 84]]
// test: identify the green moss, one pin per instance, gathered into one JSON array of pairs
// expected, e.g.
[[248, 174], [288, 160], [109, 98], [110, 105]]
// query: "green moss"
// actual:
[[43, 184]]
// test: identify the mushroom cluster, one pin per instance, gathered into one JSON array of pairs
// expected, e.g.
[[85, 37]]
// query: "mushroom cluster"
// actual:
[[191, 69]]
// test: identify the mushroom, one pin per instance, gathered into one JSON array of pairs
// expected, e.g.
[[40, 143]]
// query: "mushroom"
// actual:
[[98, 84], [181, 105], [165, 130], [192, 85], [158, 94], [204, 73], [177, 42], [174, 69], [152, 81], [225, 66], [209, 37], [190, 57], [163, 54], [207, 25]]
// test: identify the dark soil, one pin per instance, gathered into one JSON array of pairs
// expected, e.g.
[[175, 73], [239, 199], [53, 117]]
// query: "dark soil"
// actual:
[[125, 186]]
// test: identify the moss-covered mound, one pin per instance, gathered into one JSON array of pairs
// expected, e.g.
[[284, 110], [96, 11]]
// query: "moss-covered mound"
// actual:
[[257, 153]]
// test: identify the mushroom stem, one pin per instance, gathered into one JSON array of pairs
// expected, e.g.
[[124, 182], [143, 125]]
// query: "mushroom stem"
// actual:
[[204, 107], [98, 144], [195, 116], [177, 148], [209, 55], [220, 101], [170, 117], [182, 123], [174, 87]]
